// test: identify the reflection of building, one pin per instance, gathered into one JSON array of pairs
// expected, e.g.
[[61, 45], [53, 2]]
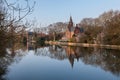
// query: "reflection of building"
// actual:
[[31, 46], [31, 41], [72, 54]]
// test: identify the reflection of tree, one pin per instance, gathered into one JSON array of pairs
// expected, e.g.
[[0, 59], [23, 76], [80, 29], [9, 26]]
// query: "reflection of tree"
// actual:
[[55, 52], [109, 60], [112, 60], [42, 51], [58, 52], [7, 59]]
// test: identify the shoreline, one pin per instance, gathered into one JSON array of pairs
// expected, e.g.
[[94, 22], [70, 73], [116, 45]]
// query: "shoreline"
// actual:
[[83, 44]]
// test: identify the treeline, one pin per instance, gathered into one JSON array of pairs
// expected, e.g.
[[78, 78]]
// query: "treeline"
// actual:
[[56, 30], [53, 31], [102, 30]]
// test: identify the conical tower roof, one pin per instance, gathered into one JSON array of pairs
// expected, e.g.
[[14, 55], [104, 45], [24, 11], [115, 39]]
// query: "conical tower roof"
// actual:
[[70, 23]]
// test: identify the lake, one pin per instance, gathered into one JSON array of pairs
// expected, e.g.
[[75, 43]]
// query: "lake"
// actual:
[[60, 63]]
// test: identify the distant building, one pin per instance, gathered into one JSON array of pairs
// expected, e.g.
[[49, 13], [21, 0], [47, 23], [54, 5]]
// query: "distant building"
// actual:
[[70, 30], [73, 32], [30, 37]]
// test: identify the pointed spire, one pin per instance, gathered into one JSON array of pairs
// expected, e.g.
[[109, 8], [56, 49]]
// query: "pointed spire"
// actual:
[[70, 23], [71, 19], [71, 60]]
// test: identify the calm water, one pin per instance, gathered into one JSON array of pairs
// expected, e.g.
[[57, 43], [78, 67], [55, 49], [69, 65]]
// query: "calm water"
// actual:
[[60, 63]]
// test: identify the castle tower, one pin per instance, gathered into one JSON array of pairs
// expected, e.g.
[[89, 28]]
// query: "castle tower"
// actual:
[[70, 23], [71, 60]]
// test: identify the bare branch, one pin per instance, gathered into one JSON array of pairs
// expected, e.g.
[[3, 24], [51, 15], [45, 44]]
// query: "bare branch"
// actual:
[[26, 10]]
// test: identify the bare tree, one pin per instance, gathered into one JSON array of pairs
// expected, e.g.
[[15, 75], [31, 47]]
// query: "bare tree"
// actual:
[[11, 16]]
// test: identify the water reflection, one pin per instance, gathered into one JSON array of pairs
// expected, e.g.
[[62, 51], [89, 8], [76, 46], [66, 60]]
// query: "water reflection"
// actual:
[[9, 56], [107, 60]]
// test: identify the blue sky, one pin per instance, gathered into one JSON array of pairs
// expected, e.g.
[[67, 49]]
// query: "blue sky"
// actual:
[[50, 11]]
